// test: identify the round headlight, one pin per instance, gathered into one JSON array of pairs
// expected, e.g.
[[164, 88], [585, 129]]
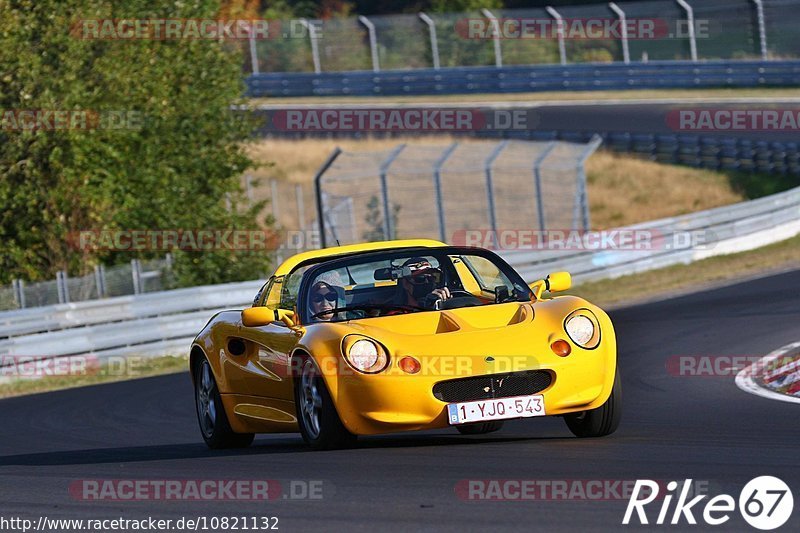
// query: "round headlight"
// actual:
[[581, 330], [366, 356]]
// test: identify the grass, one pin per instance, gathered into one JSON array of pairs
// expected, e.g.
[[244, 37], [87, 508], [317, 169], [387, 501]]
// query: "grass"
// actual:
[[534, 97], [133, 368], [623, 189]]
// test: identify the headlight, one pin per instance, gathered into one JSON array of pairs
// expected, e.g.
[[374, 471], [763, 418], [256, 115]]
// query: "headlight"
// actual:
[[364, 355], [582, 328]]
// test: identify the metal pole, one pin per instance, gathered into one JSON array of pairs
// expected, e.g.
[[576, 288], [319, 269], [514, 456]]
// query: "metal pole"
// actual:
[[136, 274], [273, 189], [19, 292], [498, 53], [537, 178], [434, 43], [373, 42], [312, 36], [762, 31], [253, 54], [490, 184], [623, 22], [690, 21], [318, 189], [301, 208], [437, 185], [583, 202], [388, 230], [61, 287], [99, 281], [562, 49]]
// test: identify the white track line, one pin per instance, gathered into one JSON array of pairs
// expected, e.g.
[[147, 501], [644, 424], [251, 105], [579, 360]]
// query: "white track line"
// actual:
[[745, 381]]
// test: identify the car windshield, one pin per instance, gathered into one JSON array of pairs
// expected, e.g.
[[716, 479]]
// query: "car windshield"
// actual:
[[411, 281]]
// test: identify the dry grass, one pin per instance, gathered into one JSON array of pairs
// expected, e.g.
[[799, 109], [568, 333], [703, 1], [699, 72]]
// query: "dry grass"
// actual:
[[622, 189]]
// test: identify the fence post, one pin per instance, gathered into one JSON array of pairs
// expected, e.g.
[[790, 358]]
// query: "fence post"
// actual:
[[434, 43], [690, 21], [498, 53], [537, 178], [626, 57], [437, 185], [318, 189], [388, 229], [61, 287], [582, 200], [373, 42], [273, 191], [487, 166], [312, 36], [762, 31], [253, 53], [100, 280], [19, 292], [136, 274], [301, 207], [562, 49]]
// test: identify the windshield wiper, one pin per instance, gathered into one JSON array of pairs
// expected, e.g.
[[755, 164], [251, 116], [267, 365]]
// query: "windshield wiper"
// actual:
[[364, 307]]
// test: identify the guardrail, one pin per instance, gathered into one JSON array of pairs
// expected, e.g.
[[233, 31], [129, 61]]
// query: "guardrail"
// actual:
[[535, 78], [166, 322]]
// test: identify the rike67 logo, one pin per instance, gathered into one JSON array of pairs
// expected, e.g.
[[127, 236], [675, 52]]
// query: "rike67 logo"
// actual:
[[765, 503]]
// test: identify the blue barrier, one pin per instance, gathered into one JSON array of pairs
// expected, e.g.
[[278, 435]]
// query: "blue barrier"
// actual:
[[532, 78]]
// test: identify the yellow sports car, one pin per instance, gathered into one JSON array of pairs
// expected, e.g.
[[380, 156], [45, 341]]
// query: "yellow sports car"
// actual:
[[403, 335]]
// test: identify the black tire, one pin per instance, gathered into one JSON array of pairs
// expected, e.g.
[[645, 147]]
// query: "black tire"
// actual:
[[214, 425], [480, 428], [319, 423], [601, 421]]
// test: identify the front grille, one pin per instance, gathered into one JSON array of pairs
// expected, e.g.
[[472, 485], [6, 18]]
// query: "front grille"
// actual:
[[492, 386]]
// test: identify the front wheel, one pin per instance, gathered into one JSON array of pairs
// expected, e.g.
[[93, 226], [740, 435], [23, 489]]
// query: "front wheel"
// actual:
[[601, 421], [320, 425], [214, 425]]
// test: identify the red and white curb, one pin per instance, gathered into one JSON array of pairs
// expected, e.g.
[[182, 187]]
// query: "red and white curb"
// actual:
[[787, 375]]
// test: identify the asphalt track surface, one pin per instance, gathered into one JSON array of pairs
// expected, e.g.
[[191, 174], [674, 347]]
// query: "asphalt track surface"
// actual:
[[673, 428]]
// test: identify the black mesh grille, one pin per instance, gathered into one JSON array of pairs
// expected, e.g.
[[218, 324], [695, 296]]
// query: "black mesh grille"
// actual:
[[492, 386]]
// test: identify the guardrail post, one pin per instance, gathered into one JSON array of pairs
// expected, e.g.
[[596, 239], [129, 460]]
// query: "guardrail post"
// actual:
[[582, 203], [136, 274], [19, 292], [312, 36], [623, 23], [318, 189], [100, 280], [301, 208], [498, 53], [487, 166], [388, 229], [434, 43], [437, 185], [537, 178], [690, 21], [373, 42], [762, 31], [562, 49], [253, 53], [61, 287]]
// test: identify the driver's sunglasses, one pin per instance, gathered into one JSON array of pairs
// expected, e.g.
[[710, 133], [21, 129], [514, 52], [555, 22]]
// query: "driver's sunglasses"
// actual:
[[424, 278], [320, 296]]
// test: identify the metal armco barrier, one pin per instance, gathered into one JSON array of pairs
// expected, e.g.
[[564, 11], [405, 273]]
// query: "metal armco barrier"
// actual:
[[166, 322], [515, 79]]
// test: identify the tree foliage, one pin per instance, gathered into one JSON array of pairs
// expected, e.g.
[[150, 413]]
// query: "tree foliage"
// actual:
[[175, 164]]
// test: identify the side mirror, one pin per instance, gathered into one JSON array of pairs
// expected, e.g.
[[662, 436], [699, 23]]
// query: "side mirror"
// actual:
[[554, 282], [261, 316]]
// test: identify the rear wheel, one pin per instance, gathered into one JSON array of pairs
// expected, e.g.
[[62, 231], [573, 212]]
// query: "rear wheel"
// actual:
[[480, 429], [214, 425], [601, 421], [320, 425]]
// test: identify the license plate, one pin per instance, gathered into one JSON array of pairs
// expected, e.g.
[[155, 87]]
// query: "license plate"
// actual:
[[496, 409]]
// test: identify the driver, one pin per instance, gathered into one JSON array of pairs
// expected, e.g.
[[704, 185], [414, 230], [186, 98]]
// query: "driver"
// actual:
[[423, 287], [323, 297]]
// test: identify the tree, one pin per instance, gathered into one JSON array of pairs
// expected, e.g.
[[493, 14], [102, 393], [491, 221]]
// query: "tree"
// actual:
[[173, 160]]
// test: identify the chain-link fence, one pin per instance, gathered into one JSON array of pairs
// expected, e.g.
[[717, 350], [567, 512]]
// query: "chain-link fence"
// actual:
[[444, 191], [136, 277], [630, 31]]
